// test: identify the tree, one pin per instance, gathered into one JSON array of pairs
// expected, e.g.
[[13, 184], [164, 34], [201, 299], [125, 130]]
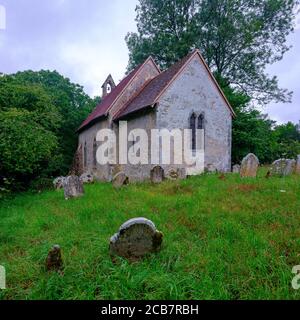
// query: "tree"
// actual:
[[39, 115], [238, 39], [70, 101], [252, 131], [288, 140]]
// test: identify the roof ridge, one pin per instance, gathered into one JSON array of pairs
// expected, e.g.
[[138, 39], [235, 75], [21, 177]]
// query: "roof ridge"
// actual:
[[133, 97]]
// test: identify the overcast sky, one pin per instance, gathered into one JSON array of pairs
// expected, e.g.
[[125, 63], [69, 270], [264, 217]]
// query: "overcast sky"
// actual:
[[84, 40]]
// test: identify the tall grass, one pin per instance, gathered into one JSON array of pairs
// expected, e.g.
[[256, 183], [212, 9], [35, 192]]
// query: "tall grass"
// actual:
[[223, 239]]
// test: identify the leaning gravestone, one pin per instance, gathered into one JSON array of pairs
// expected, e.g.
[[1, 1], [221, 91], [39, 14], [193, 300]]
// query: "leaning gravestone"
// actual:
[[119, 180], [59, 183], [157, 174], [73, 187], [298, 165], [249, 166], [136, 238], [283, 167], [236, 168]]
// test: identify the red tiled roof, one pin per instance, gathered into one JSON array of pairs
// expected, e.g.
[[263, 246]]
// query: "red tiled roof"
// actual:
[[102, 109], [149, 94]]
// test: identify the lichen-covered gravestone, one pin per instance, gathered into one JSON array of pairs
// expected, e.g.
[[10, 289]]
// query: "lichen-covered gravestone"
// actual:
[[87, 178], [136, 238], [249, 166], [73, 187], [59, 183], [236, 168], [157, 174], [298, 165], [283, 167], [119, 180]]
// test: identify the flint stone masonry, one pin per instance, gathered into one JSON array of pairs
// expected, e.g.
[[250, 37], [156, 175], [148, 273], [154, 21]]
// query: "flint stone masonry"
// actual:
[[157, 174], [59, 183], [298, 165], [249, 166], [136, 238], [120, 179], [236, 168], [73, 187], [283, 167]]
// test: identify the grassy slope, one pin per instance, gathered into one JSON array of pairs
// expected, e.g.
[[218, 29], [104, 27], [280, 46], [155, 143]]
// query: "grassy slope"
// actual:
[[232, 239]]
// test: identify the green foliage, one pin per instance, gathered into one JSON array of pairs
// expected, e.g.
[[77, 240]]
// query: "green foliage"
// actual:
[[288, 138], [39, 115], [254, 132], [26, 147], [238, 39], [223, 239]]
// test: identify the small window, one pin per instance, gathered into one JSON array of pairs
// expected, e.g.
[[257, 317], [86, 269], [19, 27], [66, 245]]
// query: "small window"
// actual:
[[108, 88], [85, 155], [201, 122], [95, 152], [193, 128]]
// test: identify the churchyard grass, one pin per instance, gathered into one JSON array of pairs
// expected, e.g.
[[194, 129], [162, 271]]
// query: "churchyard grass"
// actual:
[[223, 239]]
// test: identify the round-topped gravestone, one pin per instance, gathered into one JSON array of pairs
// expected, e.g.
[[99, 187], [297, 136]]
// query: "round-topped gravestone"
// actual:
[[249, 166], [136, 238], [157, 174]]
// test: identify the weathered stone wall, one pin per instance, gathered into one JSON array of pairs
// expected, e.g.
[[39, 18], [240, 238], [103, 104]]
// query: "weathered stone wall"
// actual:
[[194, 91], [146, 121], [87, 136]]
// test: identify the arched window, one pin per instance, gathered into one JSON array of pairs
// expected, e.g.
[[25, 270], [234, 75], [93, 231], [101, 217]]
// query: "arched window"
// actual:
[[201, 122], [85, 155], [95, 152], [193, 128]]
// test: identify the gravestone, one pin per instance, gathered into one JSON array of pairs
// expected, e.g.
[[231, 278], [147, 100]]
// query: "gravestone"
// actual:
[[176, 173], [119, 180], [136, 238], [73, 187], [59, 183], [210, 168], [157, 174], [298, 165], [283, 167], [54, 259], [87, 178], [249, 166], [236, 168]]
